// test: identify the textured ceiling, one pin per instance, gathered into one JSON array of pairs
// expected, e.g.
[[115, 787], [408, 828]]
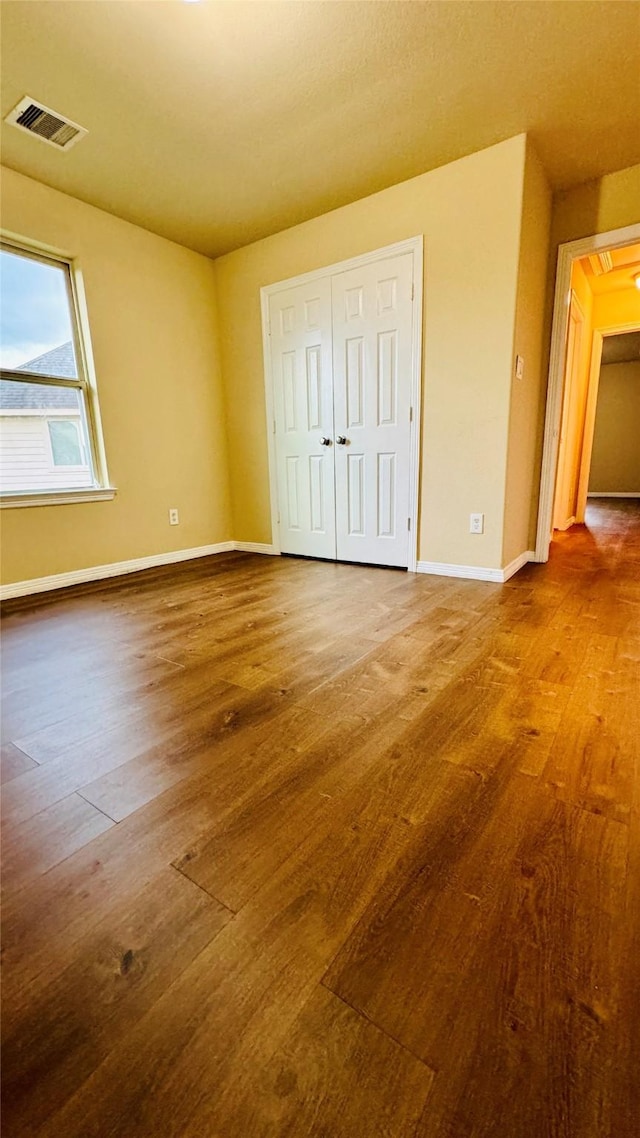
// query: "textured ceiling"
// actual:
[[218, 123]]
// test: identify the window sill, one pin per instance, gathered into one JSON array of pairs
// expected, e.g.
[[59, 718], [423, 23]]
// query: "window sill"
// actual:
[[57, 497]]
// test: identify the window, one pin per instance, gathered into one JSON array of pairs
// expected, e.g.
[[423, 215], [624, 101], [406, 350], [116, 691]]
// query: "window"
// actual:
[[66, 447], [48, 410]]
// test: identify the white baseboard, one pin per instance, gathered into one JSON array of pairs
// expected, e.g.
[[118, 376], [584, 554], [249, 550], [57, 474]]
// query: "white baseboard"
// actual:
[[256, 547], [475, 572], [517, 563], [566, 525], [613, 494], [120, 568], [116, 569]]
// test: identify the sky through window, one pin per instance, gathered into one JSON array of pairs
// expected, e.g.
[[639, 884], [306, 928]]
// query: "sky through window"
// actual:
[[34, 309]]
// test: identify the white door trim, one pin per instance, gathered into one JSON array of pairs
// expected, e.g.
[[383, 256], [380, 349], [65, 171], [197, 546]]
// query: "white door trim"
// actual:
[[569, 395], [415, 246], [567, 254]]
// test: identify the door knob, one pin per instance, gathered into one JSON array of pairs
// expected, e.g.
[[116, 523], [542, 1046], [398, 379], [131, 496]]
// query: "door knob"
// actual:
[[325, 442], [341, 440]]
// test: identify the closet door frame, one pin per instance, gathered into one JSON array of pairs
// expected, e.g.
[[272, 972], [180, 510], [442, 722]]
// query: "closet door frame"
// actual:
[[415, 246]]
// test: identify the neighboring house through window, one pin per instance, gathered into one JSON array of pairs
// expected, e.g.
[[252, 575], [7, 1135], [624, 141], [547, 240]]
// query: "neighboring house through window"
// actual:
[[66, 448], [48, 422]]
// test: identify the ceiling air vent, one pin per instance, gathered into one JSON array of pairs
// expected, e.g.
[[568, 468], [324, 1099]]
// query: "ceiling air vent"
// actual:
[[45, 124]]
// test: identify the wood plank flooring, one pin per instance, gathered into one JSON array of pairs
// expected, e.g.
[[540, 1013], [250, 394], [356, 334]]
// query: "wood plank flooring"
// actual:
[[295, 849]]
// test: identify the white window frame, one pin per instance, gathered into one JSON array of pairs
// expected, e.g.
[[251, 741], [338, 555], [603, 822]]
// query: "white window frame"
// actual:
[[84, 383]]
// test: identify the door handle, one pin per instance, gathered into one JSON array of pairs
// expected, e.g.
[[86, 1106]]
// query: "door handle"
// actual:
[[325, 442], [341, 440]]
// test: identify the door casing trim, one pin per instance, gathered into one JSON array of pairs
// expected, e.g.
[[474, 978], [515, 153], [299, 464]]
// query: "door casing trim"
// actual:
[[415, 246], [574, 305]]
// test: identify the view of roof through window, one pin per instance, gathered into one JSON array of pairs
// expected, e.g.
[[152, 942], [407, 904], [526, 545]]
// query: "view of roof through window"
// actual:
[[59, 362]]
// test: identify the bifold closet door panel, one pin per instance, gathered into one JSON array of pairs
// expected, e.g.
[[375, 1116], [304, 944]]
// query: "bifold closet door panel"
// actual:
[[300, 334], [372, 322]]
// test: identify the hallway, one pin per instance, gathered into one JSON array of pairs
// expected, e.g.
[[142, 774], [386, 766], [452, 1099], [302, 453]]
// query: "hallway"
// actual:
[[294, 848]]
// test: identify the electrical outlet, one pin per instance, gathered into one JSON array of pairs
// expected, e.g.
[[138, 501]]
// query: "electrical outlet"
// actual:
[[174, 519], [519, 367], [476, 523]]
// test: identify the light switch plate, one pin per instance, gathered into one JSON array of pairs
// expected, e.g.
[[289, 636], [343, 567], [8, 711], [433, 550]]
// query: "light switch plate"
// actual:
[[519, 367]]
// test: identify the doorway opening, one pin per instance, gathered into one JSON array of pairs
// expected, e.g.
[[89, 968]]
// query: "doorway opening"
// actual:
[[593, 401]]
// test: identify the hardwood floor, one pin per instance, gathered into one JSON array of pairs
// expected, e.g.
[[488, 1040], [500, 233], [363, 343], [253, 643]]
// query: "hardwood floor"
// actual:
[[295, 849]]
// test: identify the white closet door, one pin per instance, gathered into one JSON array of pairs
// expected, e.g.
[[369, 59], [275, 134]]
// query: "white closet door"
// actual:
[[372, 313], [300, 329]]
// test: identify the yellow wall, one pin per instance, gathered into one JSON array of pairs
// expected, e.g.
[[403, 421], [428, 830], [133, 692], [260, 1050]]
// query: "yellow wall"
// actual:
[[469, 213], [612, 309], [615, 461], [596, 207], [526, 394], [153, 327], [160, 353]]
